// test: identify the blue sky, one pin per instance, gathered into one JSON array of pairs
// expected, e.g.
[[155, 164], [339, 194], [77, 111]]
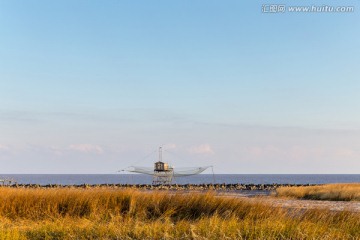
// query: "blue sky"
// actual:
[[93, 86]]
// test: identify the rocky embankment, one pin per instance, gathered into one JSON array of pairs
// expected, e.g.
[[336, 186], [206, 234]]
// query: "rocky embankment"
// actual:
[[183, 187]]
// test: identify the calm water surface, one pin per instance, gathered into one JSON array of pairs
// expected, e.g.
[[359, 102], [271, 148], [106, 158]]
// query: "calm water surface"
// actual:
[[65, 179]]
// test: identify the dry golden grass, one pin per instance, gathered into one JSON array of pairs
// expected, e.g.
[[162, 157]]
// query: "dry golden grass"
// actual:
[[131, 214], [332, 192]]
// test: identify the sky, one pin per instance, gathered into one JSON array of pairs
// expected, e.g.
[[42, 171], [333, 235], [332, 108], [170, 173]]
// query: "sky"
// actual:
[[96, 86]]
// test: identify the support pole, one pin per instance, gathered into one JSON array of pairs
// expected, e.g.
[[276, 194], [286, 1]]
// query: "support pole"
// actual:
[[212, 169], [160, 154]]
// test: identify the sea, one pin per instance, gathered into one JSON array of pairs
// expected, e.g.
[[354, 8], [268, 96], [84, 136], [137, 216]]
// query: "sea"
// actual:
[[92, 179]]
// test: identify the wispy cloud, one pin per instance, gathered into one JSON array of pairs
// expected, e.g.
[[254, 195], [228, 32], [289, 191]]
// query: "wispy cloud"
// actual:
[[57, 150], [3, 147], [202, 149], [298, 152], [170, 146], [87, 148], [346, 152]]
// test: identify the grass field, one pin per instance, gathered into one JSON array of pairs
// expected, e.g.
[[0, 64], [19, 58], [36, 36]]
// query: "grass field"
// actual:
[[332, 192], [129, 214]]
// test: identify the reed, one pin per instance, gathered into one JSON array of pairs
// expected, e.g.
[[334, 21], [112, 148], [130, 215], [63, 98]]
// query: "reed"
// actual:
[[332, 192], [129, 214]]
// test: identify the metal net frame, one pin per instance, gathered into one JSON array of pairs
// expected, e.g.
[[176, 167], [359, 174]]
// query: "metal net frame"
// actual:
[[176, 172]]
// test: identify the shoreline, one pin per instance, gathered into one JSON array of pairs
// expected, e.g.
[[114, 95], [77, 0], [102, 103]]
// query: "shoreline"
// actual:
[[173, 187]]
